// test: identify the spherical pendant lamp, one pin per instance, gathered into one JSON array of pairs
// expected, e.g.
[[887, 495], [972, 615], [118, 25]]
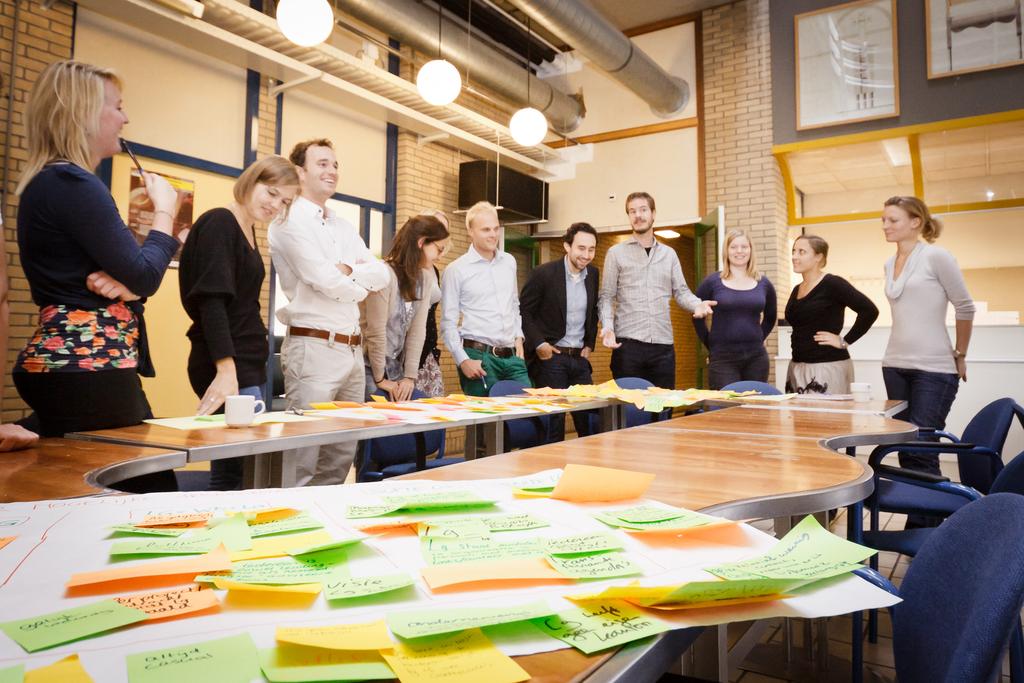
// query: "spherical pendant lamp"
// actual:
[[439, 82], [528, 126], [305, 22]]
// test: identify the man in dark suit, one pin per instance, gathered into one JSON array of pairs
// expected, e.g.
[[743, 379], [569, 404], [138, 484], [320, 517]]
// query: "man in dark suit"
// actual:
[[559, 311]]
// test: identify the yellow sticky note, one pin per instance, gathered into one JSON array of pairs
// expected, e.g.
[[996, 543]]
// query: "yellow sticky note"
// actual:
[[67, 670], [185, 519], [587, 484], [518, 570], [379, 399], [466, 657], [372, 635], [264, 515], [303, 588], [278, 546]]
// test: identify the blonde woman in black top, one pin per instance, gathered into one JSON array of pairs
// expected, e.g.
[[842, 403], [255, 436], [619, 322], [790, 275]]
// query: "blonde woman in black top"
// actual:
[[821, 362]]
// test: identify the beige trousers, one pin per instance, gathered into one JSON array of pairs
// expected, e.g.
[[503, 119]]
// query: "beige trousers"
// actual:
[[316, 371]]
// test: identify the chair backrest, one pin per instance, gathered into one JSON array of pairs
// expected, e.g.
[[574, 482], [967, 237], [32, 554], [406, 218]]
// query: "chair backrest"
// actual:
[[635, 416], [989, 429], [751, 385], [525, 432], [394, 450], [1011, 478], [962, 594]]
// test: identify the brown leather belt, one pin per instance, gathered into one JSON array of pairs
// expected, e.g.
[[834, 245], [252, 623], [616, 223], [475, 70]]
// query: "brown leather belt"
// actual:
[[569, 350], [351, 340], [499, 351]]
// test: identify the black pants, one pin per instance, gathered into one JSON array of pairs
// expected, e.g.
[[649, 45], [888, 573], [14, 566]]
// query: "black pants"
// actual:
[[655, 363], [66, 402], [559, 372], [726, 367]]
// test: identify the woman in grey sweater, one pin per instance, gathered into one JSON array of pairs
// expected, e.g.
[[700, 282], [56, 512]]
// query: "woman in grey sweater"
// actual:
[[920, 365]]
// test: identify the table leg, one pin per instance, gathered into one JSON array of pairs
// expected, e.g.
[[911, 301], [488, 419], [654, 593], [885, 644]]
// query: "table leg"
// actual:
[[494, 437], [469, 449]]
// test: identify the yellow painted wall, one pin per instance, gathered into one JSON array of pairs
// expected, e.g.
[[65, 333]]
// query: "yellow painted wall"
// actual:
[[169, 392]]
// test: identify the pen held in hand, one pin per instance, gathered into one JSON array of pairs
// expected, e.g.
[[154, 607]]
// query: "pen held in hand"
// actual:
[[135, 159]]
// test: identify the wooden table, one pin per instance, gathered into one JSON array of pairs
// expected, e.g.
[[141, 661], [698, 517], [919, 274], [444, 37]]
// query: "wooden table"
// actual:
[[68, 468]]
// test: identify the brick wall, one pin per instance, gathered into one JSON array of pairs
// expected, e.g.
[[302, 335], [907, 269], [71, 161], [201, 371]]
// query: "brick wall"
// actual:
[[265, 139], [43, 37], [740, 172]]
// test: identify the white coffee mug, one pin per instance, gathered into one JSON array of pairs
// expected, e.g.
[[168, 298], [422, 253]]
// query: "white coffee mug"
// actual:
[[240, 411], [861, 391]]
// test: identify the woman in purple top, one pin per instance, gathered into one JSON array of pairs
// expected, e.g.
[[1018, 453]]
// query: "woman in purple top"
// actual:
[[743, 318]]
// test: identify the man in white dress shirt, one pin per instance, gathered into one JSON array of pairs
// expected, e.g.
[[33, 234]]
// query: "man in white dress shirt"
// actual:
[[481, 286], [325, 270]]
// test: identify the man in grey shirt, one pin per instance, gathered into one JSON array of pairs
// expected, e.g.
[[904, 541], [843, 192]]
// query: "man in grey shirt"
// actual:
[[640, 276]]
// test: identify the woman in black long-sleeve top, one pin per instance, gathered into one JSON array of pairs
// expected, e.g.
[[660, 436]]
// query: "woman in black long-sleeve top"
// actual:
[[86, 272], [220, 278], [821, 362]]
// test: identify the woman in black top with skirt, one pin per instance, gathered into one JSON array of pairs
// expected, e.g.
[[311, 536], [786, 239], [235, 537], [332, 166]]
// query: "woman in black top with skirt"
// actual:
[[220, 279], [821, 363]]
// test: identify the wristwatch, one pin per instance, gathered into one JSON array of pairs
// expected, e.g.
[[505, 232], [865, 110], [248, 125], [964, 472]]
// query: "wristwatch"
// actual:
[[842, 344]]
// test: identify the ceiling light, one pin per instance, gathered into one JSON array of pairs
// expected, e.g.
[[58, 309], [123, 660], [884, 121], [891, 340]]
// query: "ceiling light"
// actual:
[[528, 126], [305, 22], [989, 195], [898, 151], [439, 82], [667, 234]]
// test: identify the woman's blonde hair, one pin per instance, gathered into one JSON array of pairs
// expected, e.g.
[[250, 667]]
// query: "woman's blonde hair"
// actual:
[[63, 112], [731, 236], [931, 227], [275, 171]]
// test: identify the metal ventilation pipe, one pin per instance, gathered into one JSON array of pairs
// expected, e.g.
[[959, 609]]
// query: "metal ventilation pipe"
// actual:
[[414, 24], [581, 26]]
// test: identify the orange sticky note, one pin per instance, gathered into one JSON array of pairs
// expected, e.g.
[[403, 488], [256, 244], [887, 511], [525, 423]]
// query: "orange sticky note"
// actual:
[[590, 484], [466, 657], [178, 520], [172, 603], [384, 527], [5, 540], [213, 561], [67, 670], [525, 569]]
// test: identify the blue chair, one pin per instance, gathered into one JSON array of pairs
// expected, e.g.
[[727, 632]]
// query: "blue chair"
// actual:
[[391, 456], [525, 432], [751, 385], [962, 597], [636, 416], [979, 459]]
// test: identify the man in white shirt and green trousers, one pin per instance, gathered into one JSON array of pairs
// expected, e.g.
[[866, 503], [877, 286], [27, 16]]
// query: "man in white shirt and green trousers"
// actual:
[[481, 287], [325, 270]]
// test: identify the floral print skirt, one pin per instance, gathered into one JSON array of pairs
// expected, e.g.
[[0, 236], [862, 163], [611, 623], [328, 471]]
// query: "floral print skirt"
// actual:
[[77, 340]]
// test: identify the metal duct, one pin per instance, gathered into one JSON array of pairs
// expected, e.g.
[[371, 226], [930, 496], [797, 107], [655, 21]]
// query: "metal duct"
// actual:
[[581, 26], [414, 24]]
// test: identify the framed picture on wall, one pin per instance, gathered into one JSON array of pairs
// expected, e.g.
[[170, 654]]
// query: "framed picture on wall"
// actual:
[[846, 64], [973, 35]]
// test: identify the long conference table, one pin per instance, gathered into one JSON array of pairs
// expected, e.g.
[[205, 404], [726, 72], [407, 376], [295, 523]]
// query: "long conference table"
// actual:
[[741, 462]]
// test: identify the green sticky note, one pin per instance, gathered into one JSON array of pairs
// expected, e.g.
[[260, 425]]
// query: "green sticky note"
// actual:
[[190, 545], [688, 520], [233, 532], [514, 522], [128, 529], [642, 514], [583, 543], [807, 552], [288, 663], [299, 522], [13, 674], [455, 551], [601, 566], [654, 404], [435, 621], [462, 527], [226, 660], [361, 511], [282, 570], [324, 550], [209, 418], [57, 628], [341, 588], [600, 625], [697, 592], [438, 500]]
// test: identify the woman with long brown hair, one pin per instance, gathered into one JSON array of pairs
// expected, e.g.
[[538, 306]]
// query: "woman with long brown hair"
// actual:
[[394, 318]]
